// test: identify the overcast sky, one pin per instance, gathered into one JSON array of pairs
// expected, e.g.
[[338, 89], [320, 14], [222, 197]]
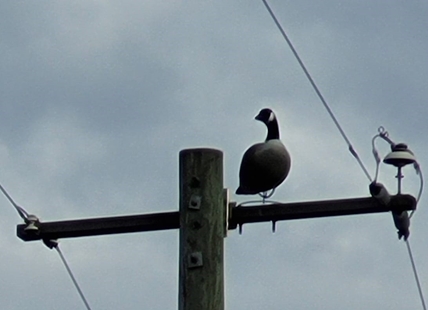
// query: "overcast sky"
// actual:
[[99, 97]]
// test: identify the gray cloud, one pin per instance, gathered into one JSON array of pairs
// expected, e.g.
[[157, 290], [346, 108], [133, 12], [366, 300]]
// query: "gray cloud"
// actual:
[[98, 98]]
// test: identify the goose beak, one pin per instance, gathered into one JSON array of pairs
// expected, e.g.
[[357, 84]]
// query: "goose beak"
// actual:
[[258, 117]]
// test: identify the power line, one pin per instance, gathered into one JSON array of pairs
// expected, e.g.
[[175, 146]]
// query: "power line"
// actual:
[[415, 273], [49, 243], [317, 91], [54, 244], [348, 142], [22, 213]]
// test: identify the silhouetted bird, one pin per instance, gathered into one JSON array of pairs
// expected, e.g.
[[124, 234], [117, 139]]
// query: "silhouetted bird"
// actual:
[[264, 165]]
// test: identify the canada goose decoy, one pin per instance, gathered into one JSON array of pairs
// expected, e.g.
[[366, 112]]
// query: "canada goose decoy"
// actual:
[[264, 165]]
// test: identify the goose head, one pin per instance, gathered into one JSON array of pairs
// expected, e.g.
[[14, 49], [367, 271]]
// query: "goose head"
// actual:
[[267, 117]]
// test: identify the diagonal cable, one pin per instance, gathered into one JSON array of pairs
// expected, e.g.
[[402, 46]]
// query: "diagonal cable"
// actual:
[[317, 91], [82, 296], [51, 244], [415, 272], [22, 213]]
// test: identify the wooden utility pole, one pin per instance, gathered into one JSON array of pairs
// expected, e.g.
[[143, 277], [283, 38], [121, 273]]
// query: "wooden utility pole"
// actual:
[[202, 227]]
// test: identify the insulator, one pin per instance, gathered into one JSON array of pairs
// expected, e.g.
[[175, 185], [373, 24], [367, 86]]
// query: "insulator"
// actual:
[[400, 156]]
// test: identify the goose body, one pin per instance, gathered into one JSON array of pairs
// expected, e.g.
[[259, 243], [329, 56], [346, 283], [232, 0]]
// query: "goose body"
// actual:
[[264, 166]]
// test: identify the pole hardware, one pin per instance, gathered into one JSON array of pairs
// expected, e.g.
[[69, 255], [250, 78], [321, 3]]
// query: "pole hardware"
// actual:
[[195, 260], [399, 157], [195, 202], [32, 223], [400, 217]]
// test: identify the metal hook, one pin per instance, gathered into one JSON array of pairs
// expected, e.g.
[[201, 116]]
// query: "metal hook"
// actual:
[[381, 130], [267, 195], [385, 135]]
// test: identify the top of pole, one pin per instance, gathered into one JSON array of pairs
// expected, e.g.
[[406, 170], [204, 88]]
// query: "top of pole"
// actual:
[[200, 150]]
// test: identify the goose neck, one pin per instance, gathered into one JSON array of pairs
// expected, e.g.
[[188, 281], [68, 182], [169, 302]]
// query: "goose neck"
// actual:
[[273, 130]]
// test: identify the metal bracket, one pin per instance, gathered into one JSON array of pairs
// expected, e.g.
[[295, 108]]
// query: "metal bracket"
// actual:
[[195, 202], [195, 260], [227, 205]]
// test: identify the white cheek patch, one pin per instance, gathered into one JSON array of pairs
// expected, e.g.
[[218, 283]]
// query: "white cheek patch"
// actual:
[[271, 117]]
